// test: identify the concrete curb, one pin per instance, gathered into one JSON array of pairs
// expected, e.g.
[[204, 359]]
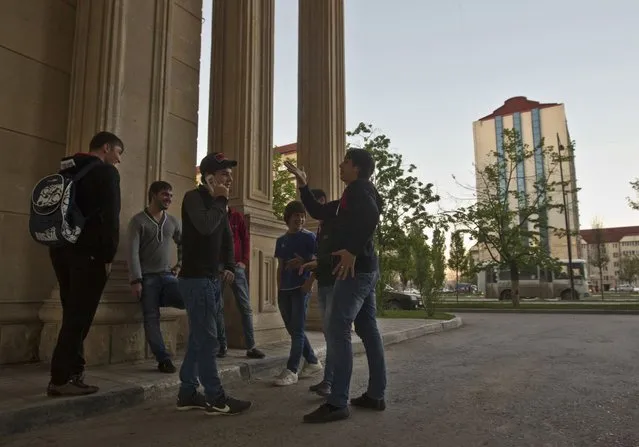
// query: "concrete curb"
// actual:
[[546, 311], [61, 410]]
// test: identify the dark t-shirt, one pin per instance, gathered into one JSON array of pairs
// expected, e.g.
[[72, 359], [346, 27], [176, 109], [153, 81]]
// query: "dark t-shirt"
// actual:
[[287, 247]]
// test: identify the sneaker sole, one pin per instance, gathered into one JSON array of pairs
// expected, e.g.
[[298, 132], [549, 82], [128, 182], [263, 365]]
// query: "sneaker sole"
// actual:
[[284, 384], [191, 407], [220, 413]]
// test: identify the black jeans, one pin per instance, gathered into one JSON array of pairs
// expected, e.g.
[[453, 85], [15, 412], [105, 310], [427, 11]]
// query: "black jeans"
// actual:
[[82, 279]]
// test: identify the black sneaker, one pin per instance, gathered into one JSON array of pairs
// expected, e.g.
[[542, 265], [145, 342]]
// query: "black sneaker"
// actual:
[[314, 388], [195, 401], [327, 413], [74, 387], [227, 406], [221, 353], [323, 388], [368, 402], [255, 354], [166, 366]]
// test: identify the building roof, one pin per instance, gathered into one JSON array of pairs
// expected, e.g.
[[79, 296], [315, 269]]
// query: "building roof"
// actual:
[[286, 149], [609, 234], [517, 104]]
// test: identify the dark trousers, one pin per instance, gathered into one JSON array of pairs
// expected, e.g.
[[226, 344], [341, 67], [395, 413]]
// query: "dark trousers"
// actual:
[[82, 279]]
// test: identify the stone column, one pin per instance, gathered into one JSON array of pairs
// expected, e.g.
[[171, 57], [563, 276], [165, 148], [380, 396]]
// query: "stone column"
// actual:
[[135, 73], [321, 124], [241, 126]]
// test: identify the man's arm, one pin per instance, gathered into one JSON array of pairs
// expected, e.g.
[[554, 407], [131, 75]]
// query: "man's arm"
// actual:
[[177, 237], [204, 219], [315, 209], [245, 238], [364, 216], [135, 267], [228, 251], [110, 211]]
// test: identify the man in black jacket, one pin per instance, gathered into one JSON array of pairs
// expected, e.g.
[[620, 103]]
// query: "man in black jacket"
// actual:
[[207, 243], [356, 270], [82, 269]]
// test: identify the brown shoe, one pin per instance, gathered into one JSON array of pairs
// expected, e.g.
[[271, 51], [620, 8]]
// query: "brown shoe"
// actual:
[[74, 387]]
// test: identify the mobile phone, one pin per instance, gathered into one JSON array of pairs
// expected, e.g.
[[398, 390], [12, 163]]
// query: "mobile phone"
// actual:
[[210, 180]]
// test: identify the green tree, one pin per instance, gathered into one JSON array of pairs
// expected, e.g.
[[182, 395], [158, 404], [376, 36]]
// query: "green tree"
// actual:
[[430, 267], [458, 257], [283, 186], [629, 269], [508, 221], [469, 274], [634, 204], [405, 197], [598, 257]]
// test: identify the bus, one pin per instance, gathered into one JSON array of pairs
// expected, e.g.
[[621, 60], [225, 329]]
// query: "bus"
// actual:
[[536, 282]]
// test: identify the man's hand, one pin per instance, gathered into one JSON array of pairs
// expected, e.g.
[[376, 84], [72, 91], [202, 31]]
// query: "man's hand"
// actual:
[[295, 263], [136, 290], [107, 269], [176, 270], [227, 277], [312, 265], [216, 189], [308, 285], [241, 265], [346, 264], [299, 174]]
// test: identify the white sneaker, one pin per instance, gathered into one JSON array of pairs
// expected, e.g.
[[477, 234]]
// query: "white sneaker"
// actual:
[[310, 369], [286, 377]]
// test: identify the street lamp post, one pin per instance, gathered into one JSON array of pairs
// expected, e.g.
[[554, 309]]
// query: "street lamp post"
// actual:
[[571, 274]]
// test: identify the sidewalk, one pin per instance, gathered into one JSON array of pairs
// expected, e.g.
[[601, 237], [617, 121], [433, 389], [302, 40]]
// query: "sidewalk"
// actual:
[[25, 406]]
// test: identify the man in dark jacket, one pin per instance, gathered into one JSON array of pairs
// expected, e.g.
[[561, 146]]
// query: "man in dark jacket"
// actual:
[[356, 271], [207, 243], [82, 269]]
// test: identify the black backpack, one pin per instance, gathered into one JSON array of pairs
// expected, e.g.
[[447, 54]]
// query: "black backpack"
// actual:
[[56, 220]]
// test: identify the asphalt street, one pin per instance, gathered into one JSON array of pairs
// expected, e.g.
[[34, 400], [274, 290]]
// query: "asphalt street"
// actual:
[[501, 380]]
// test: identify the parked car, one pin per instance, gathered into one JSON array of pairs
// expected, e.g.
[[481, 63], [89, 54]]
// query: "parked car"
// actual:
[[406, 300]]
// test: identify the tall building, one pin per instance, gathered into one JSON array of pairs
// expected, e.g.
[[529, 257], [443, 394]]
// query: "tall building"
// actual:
[[538, 124]]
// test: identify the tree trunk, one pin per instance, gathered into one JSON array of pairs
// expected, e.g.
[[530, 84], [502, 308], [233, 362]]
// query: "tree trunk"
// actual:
[[514, 281], [601, 281], [457, 285]]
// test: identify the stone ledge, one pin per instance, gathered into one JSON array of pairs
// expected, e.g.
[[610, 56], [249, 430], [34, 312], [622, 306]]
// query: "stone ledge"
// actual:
[[128, 391]]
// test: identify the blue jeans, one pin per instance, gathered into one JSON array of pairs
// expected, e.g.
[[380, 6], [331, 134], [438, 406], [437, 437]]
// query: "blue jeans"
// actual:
[[325, 298], [243, 301], [293, 305], [354, 301], [158, 290], [201, 297]]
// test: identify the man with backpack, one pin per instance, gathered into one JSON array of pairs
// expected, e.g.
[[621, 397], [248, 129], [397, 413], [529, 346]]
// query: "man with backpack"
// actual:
[[76, 213]]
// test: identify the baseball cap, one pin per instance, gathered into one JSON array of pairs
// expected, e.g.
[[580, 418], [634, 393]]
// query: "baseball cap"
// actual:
[[214, 162]]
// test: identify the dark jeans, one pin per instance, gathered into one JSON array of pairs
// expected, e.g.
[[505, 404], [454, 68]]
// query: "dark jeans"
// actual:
[[354, 301], [325, 299], [82, 279], [293, 305], [243, 301], [201, 298], [158, 290]]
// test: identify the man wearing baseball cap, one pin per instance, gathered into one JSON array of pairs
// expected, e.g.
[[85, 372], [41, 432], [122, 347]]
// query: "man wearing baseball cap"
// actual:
[[206, 244]]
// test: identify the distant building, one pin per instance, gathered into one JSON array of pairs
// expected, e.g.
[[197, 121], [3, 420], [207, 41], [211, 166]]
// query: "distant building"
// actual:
[[536, 123], [617, 243]]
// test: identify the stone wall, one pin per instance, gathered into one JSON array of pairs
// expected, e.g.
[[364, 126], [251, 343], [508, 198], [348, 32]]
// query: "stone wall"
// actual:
[[36, 48]]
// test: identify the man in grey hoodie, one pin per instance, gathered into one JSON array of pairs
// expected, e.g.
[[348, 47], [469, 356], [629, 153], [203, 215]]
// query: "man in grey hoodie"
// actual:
[[153, 279]]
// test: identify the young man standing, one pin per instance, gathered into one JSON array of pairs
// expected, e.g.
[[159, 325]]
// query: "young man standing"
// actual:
[[356, 270], [240, 287], [206, 243], [153, 279], [82, 269]]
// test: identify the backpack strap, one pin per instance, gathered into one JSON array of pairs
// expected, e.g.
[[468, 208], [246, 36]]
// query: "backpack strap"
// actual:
[[84, 171]]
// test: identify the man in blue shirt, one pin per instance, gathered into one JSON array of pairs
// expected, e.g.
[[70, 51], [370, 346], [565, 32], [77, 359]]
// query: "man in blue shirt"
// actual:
[[297, 245]]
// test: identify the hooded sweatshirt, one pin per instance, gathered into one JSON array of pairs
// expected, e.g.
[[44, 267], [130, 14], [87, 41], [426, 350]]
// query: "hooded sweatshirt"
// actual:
[[356, 218], [98, 197]]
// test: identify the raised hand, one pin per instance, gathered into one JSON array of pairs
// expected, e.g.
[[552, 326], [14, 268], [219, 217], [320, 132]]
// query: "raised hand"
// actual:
[[299, 174]]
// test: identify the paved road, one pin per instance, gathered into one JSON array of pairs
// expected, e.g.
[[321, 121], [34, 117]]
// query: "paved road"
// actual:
[[501, 380]]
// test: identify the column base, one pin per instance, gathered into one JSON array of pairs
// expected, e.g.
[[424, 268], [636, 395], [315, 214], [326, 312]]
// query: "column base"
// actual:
[[267, 322], [20, 330], [117, 332]]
